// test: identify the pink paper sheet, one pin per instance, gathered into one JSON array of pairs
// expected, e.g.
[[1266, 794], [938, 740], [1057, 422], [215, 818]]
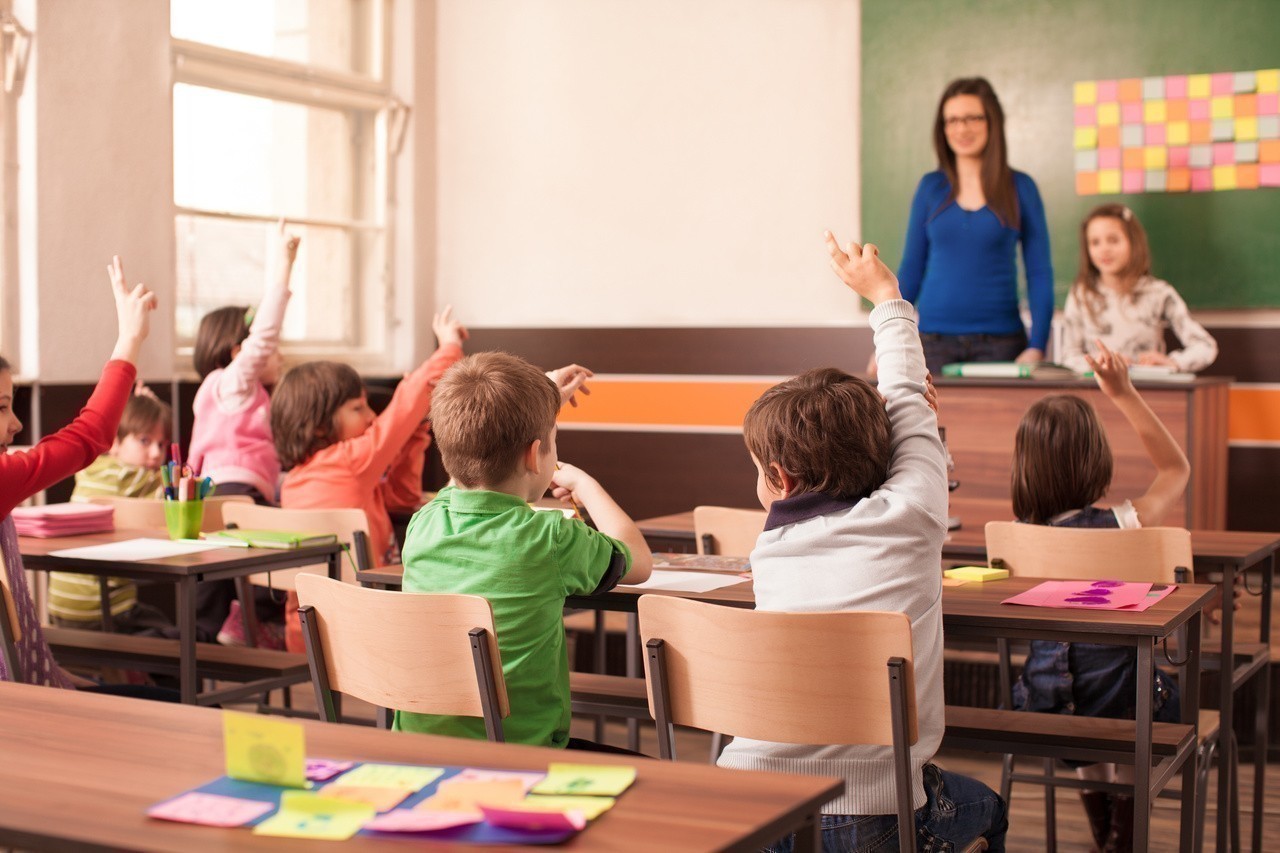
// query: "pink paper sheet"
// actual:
[[210, 809], [416, 820], [1085, 594], [534, 821]]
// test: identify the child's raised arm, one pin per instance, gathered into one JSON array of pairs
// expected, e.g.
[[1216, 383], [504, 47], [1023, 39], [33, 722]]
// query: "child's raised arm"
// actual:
[[1172, 468], [239, 382], [570, 379]]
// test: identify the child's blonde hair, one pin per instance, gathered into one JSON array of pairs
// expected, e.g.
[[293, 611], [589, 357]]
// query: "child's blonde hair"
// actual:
[[1086, 286], [1061, 459], [303, 407]]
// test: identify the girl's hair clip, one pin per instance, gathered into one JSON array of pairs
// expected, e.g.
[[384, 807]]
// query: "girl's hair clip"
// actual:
[[248, 316], [1126, 213]]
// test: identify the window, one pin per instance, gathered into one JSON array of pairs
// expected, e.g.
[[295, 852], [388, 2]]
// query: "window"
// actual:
[[280, 109]]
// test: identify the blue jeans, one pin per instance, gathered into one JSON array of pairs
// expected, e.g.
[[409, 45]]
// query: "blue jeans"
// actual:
[[957, 810], [946, 349]]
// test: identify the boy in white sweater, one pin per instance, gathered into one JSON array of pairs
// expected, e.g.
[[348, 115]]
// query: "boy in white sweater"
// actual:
[[855, 485]]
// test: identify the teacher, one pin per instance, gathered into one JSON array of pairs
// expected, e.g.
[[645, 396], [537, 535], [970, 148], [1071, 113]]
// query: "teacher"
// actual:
[[959, 265]]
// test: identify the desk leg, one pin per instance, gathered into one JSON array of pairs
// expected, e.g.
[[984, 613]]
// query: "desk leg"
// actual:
[[808, 836], [1261, 743], [1189, 681], [186, 607], [1142, 750], [1228, 813], [633, 671]]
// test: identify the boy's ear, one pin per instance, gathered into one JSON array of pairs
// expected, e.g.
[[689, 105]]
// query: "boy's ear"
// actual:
[[533, 460], [788, 482]]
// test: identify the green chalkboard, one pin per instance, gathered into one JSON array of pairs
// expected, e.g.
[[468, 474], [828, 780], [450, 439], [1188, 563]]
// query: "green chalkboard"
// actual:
[[1219, 249]]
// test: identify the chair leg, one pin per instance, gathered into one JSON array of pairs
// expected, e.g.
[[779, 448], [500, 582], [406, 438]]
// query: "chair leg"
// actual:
[[1006, 778], [1205, 755], [1235, 791], [717, 746], [1262, 684], [1050, 809]]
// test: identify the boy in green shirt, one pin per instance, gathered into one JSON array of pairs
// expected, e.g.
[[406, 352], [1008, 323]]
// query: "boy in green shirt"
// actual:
[[494, 418]]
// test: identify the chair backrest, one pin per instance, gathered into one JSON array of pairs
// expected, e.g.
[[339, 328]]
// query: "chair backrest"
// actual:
[[410, 651], [1147, 554], [343, 523], [726, 531], [149, 512], [769, 675]]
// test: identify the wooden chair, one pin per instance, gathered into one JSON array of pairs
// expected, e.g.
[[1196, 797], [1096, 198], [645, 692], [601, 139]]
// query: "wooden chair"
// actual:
[[426, 653], [148, 513], [727, 531], [1144, 555], [767, 675]]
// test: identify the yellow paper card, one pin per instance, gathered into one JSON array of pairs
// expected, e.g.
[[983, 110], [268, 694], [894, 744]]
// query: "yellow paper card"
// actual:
[[1154, 111], [1198, 86], [1154, 157], [1246, 129], [607, 780], [1108, 114], [381, 799], [1109, 181], [469, 796], [1086, 137], [1269, 80], [401, 777], [1223, 106], [1178, 133], [976, 573], [1224, 177], [591, 807], [1085, 92], [260, 749], [306, 815]]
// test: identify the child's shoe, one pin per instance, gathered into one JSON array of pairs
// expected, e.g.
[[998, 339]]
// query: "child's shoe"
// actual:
[[232, 631]]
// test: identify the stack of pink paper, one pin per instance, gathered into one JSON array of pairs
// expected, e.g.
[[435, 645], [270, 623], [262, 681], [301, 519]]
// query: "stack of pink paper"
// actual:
[[1093, 595], [63, 519]]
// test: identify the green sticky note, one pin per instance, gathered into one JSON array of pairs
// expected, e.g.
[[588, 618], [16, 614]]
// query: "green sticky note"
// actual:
[[261, 749], [306, 815], [591, 807], [596, 780], [401, 777]]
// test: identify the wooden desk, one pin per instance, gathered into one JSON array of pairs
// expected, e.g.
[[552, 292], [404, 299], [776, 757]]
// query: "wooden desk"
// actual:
[[184, 572], [79, 771]]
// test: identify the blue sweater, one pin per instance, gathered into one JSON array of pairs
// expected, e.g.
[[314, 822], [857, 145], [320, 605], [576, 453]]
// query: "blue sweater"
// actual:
[[960, 267]]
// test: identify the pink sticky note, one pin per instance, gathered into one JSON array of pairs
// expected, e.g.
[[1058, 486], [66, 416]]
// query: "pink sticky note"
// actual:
[[1198, 109], [1224, 153], [1201, 180], [324, 769], [1154, 134], [1107, 90], [1175, 86], [1086, 115], [1178, 156], [1222, 84], [1131, 113], [210, 809], [475, 774], [1269, 175], [1269, 104], [1108, 158], [534, 821], [1131, 181], [416, 820]]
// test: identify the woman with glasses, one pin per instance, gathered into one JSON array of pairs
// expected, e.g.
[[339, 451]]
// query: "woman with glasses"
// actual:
[[959, 265]]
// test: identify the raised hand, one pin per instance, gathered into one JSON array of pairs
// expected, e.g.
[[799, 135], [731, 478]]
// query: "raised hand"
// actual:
[[133, 312], [569, 380], [860, 267], [287, 243], [447, 329], [1111, 371]]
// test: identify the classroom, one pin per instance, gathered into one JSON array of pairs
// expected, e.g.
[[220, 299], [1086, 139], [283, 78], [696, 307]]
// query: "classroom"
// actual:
[[663, 205]]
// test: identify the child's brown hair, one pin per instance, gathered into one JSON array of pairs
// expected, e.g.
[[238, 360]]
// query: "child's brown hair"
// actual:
[[220, 332], [828, 430], [1086, 285], [1061, 459], [142, 414], [486, 411], [304, 404]]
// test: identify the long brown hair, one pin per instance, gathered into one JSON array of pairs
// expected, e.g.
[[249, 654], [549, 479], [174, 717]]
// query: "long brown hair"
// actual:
[[1086, 285], [997, 177], [1061, 459], [221, 331], [303, 406]]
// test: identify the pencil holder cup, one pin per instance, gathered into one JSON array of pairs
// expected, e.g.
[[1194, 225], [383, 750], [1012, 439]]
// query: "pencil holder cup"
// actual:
[[183, 518]]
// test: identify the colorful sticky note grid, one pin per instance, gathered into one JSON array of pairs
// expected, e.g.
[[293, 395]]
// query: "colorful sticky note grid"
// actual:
[[306, 815], [596, 780], [401, 777], [210, 809], [260, 749], [1154, 134]]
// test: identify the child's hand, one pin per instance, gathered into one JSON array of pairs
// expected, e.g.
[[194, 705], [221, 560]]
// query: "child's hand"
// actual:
[[1155, 359], [133, 312], [930, 392], [287, 244], [569, 380], [140, 389], [1110, 370], [447, 329], [861, 268], [567, 480]]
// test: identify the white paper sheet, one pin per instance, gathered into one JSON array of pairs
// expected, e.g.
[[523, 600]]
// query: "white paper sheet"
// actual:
[[687, 581], [136, 549]]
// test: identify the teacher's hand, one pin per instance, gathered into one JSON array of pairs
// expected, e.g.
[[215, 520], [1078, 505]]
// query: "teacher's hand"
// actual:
[[1030, 355]]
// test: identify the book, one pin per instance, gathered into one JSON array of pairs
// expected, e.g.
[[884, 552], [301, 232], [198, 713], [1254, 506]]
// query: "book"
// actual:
[[1007, 370], [68, 519], [281, 539]]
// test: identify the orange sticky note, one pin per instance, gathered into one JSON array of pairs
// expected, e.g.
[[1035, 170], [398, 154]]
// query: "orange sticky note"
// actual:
[[469, 796]]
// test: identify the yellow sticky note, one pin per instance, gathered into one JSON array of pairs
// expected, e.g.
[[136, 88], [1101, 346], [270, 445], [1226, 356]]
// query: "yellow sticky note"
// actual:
[[1178, 133], [1085, 92], [1154, 157], [403, 777], [976, 573], [1269, 80], [379, 799], [306, 815], [469, 796], [591, 807], [1198, 86], [607, 780], [1223, 106], [1086, 137], [260, 749], [1108, 114], [1154, 111], [1246, 129], [1224, 177], [1109, 181]]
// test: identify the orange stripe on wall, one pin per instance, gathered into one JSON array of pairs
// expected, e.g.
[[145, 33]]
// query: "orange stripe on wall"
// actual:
[[1254, 413], [664, 403]]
